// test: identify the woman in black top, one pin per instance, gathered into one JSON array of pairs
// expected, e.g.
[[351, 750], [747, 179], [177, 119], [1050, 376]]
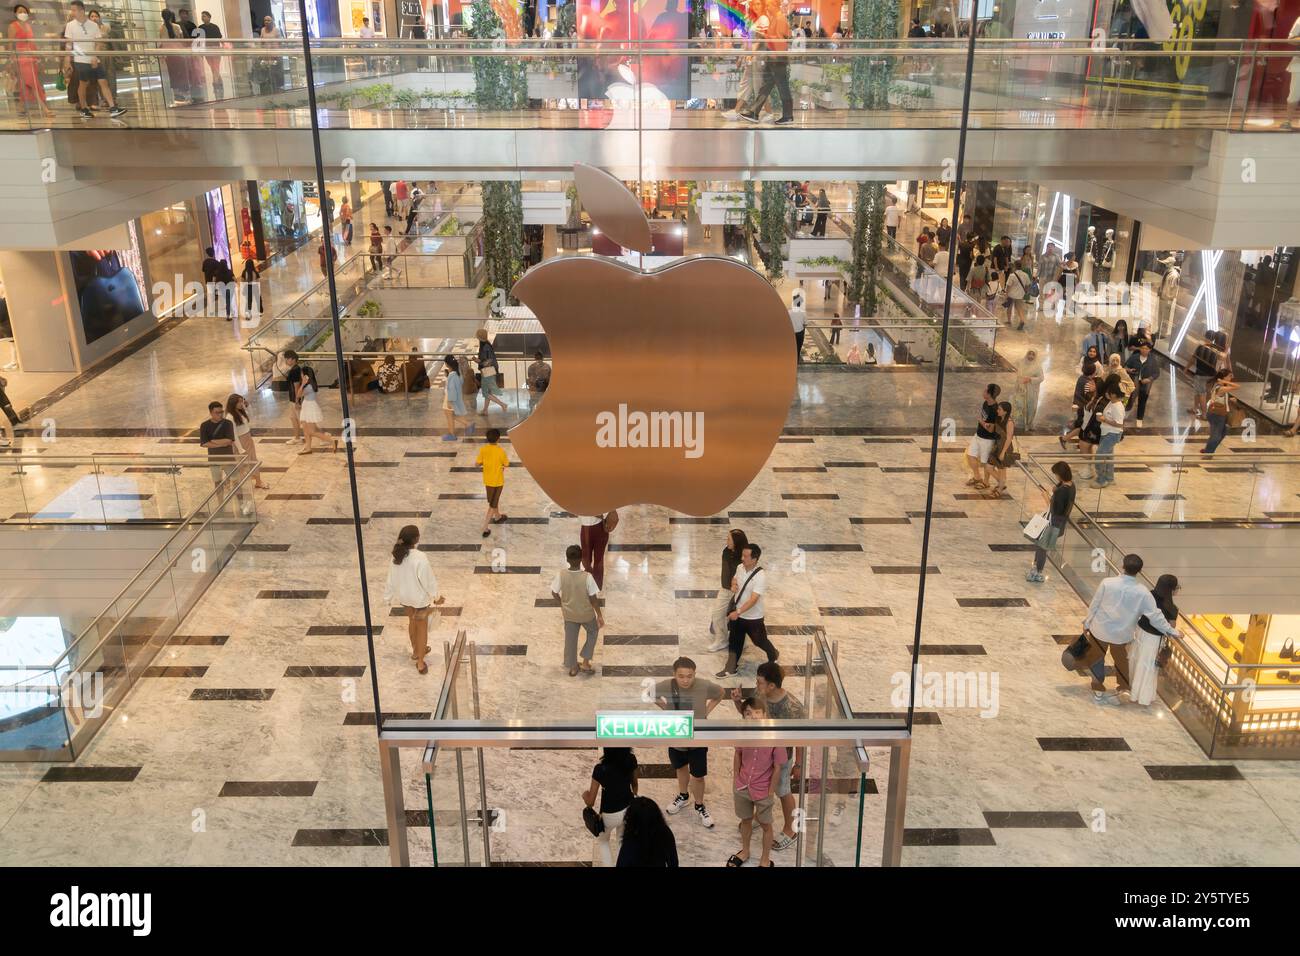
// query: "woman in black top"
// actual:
[[736, 542], [1121, 337], [614, 778], [1144, 654], [1059, 505], [647, 841]]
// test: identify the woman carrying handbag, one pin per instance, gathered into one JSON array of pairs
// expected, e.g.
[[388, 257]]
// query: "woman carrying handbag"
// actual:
[[1219, 407], [412, 586], [614, 779], [1059, 505], [1144, 657], [489, 373]]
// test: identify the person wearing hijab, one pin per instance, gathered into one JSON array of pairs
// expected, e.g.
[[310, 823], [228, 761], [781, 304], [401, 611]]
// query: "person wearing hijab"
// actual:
[[1029, 378]]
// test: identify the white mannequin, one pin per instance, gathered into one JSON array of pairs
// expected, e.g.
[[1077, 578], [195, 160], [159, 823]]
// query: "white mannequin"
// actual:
[[1107, 258], [1089, 258], [1168, 297]]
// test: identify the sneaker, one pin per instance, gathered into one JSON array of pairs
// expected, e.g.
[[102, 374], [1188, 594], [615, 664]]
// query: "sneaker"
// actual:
[[117, 111], [724, 673], [705, 818], [1138, 423], [679, 801], [86, 114], [1105, 698], [731, 115], [720, 645], [470, 428], [449, 437], [1100, 484], [782, 842], [1037, 578], [749, 117], [785, 121], [1030, 575]]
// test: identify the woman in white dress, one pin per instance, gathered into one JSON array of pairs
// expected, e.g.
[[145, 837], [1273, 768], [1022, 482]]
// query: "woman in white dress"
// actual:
[[309, 411], [1143, 675], [237, 412], [412, 586], [1029, 378]]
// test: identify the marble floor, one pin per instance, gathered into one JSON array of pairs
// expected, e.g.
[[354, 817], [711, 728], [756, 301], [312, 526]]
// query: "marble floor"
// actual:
[[257, 729]]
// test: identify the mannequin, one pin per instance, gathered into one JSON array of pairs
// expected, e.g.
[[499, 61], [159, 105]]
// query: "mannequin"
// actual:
[[1089, 258], [1168, 296], [1106, 261]]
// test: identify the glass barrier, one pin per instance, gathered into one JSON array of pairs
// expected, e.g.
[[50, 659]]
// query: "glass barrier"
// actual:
[[1119, 84], [57, 688]]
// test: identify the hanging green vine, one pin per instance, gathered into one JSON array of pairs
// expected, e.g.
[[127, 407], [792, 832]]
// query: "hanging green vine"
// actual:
[[868, 243], [500, 83], [699, 17], [873, 20], [567, 22], [772, 227]]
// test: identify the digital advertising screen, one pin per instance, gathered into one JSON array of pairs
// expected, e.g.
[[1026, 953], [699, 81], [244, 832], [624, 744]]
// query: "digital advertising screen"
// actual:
[[617, 22], [109, 284]]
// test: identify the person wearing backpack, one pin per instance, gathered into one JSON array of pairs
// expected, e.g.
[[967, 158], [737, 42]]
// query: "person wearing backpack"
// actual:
[[773, 32], [1017, 290]]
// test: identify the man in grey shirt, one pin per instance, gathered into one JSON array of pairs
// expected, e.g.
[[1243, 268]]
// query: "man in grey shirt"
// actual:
[[685, 691]]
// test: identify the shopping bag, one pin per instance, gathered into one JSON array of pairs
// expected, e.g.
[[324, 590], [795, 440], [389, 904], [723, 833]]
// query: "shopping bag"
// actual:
[[1036, 525]]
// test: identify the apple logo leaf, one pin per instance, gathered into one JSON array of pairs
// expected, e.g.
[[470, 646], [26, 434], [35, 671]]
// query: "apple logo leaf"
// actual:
[[668, 387], [612, 208]]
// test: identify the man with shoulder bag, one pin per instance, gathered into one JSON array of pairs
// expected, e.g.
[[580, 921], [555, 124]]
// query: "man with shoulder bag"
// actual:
[[1114, 612]]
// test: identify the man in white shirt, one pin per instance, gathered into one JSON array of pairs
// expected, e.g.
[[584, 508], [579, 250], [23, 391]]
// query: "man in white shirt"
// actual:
[[892, 216], [366, 32], [746, 618], [85, 34], [579, 599], [799, 321], [1113, 614]]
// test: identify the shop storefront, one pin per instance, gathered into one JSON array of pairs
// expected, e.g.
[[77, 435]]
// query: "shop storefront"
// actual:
[[172, 245], [1251, 295], [1237, 680]]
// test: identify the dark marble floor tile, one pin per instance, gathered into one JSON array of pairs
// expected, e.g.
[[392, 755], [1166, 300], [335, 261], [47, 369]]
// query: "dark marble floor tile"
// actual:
[[976, 496], [445, 610], [175, 670], [783, 440], [640, 547], [278, 595], [264, 548], [952, 650], [343, 630], [336, 521], [459, 496], [948, 836], [514, 519], [937, 514], [325, 670], [855, 612], [268, 788], [69, 774], [1083, 743], [666, 640], [366, 718], [376, 464], [200, 640], [636, 670], [904, 569], [123, 497], [801, 496], [430, 454], [501, 650], [792, 630], [830, 547], [689, 594], [449, 547], [232, 693], [1217, 771], [799, 469], [341, 837], [886, 441], [552, 602], [904, 469], [1012, 548], [992, 602], [508, 569], [850, 464], [1256, 450], [757, 514], [1034, 820], [920, 718], [1117, 515], [401, 514], [688, 520], [279, 496], [1154, 497]]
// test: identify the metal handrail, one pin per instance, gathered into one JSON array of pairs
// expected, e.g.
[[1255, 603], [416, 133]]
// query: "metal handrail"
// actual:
[[239, 460]]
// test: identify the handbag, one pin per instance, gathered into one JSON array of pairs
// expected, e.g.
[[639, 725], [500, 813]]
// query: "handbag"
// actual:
[[1082, 653], [611, 521], [591, 819], [1236, 414], [1036, 525], [1165, 652]]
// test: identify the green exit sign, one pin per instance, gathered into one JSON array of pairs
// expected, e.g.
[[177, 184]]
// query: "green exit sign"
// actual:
[[660, 725]]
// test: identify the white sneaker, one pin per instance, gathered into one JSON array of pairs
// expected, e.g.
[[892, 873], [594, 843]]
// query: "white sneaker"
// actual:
[[731, 115], [1103, 697], [294, 441], [705, 818], [678, 803]]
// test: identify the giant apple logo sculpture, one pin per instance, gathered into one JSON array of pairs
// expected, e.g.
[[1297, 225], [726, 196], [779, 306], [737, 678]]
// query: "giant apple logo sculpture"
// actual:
[[667, 387]]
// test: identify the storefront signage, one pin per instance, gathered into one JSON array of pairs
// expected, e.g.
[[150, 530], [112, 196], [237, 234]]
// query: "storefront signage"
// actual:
[[1045, 35], [657, 725], [412, 9]]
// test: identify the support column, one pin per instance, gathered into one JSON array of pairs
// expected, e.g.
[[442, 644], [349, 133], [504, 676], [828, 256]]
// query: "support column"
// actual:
[[983, 199], [40, 297]]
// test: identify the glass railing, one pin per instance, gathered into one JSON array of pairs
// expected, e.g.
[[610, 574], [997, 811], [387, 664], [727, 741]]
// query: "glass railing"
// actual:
[[105, 488], [1118, 84], [474, 816], [58, 687], [1233, 706], [1181, 489]]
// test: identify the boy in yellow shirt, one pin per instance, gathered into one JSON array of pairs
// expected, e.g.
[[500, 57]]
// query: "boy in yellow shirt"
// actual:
[[494, 461]]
